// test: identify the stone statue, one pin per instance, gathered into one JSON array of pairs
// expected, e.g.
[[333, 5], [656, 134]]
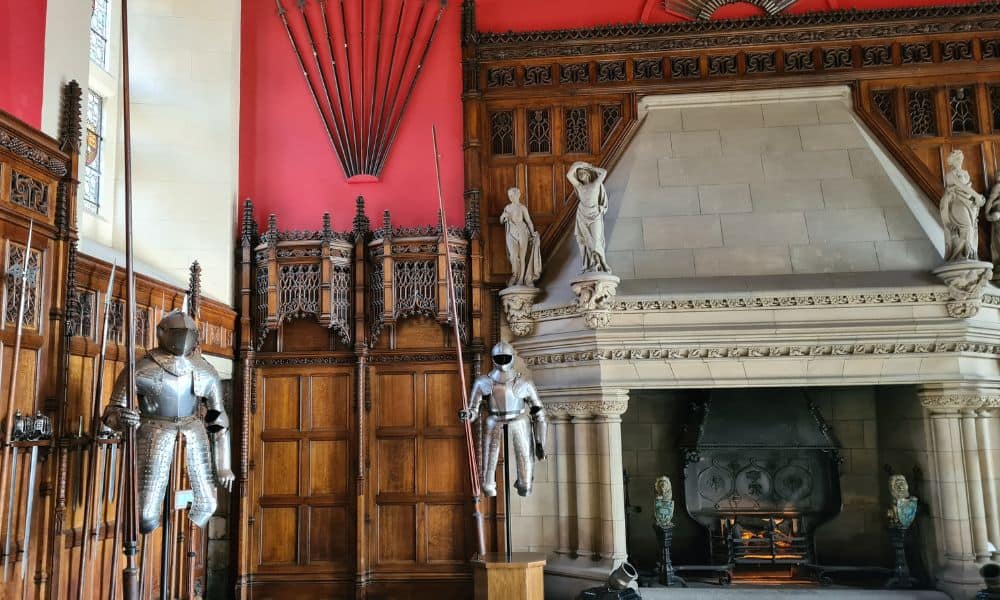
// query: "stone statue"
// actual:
[[172, 381], [588, 181], [522, 242], [510, 400], [960, 206], [904, 506], [663, 503], [992, 211]]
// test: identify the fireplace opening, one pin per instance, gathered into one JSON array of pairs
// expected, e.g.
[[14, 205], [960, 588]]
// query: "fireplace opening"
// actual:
[[770, 486]]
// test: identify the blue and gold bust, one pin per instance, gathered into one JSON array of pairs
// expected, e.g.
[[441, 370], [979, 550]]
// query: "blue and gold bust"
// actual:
[[663, 503], [904, 506]]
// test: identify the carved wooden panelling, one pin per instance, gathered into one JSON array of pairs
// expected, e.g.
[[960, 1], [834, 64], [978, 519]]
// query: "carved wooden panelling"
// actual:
[[922, 119], [418, 467], [305, 494]]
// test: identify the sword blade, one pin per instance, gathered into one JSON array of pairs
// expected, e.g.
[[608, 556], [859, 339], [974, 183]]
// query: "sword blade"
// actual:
[[32, 471], [112, 473], [11, 531], [97, 517]]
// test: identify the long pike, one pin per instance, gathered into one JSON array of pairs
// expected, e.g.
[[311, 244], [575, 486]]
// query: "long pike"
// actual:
[[470, 446], [95, 427], [12, 390]]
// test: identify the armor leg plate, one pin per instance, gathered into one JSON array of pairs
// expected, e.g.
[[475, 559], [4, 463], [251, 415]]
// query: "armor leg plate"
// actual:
[[492, 434], [524, 457], [154, 454], [200, 473]]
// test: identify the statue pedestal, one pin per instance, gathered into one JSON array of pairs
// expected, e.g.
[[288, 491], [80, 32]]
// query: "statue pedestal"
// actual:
[[965, 280], [594, 292], [518, 301], [520, 578]]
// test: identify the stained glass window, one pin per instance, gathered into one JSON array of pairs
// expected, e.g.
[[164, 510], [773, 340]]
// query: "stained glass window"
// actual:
[[93, 149], [99, 33]]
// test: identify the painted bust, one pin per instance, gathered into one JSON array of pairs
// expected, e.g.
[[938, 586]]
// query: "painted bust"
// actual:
[[663, 503], [904, 506]]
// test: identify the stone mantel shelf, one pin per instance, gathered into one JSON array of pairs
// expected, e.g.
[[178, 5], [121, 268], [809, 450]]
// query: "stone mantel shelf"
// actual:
[[858, 336]]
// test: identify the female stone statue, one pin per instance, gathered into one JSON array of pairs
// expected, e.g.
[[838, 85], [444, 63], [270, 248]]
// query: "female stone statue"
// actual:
[[904, 506], [960, 212], [522, 242], [588, 181]]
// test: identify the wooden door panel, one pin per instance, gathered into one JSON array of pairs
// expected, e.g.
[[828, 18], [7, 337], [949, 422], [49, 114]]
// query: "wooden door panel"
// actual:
[[396, 400], [328, 462], [398, 457], [281, 403], [445, 466], [442, 399], [281, 468], [397, 540], [306, 476], [329, 538], [331, 402], [278, 535], [445, 533]]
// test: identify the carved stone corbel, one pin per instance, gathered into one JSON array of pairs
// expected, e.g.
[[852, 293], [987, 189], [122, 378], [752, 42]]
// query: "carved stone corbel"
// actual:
[[594, 292], [517, 303], [965, 280]]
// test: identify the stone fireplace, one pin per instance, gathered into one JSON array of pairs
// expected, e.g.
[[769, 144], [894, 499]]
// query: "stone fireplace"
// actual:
[[772, 256]]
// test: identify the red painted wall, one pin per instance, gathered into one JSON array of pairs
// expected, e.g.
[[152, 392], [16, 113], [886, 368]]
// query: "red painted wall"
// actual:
[[22, 58], [288, 167]]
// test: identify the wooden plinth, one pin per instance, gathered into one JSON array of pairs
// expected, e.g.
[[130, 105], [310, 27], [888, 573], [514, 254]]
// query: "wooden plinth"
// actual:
[[520, 578]]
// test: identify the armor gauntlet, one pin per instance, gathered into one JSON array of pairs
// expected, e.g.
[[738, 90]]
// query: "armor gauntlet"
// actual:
[[117, 415], [217, 425]]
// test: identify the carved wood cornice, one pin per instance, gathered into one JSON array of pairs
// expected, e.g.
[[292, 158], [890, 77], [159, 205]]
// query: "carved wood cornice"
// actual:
[[839, 25], [32, 146]]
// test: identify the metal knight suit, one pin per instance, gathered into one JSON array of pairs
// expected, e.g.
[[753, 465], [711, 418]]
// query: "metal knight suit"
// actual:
[[501, 398], [173, 381]]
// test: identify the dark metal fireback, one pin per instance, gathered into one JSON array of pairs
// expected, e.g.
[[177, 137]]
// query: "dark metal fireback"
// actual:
[[761, 473]]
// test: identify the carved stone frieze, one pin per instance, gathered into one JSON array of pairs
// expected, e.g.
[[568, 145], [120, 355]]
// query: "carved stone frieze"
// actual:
[[947, 398], [752, 302], [757, 351], [586, 407]]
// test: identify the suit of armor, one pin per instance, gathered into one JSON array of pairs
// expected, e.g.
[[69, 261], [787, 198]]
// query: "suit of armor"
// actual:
[[512, 400], [172, 381]]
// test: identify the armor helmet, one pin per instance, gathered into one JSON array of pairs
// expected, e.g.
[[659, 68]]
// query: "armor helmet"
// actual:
[[177, 333], [503, 356]]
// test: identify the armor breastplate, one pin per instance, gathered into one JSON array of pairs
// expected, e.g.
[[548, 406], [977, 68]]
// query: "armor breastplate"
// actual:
[[173, 397], [503, 400]]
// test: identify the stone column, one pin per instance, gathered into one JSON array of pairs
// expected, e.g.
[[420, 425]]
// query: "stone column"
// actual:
[[985, 426], [958, 498], [562, 454], [592, 519]]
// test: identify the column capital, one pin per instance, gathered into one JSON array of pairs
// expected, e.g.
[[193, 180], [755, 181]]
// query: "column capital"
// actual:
[[585, 403], [959, 396]]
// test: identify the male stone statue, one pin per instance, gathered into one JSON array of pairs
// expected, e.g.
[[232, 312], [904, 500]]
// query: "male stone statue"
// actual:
[[960, 206], [588, 181], [522, 241], [510, 400], [172, 380]]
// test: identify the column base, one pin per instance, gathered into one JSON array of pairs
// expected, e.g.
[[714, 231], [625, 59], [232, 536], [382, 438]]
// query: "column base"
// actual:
[[566, 577], [960, 579]]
